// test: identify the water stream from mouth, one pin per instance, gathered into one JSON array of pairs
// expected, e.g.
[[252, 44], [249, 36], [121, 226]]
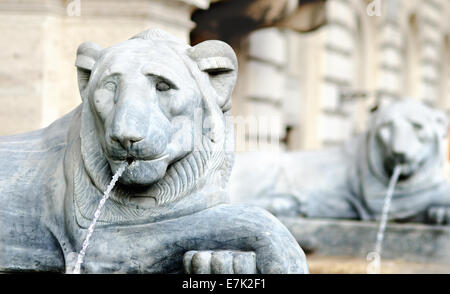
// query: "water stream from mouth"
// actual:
[[375, 256], [80, 258]]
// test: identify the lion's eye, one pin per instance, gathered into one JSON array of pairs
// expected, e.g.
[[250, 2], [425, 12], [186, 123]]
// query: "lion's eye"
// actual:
[[110, 86], [417, 126], [163, 86]]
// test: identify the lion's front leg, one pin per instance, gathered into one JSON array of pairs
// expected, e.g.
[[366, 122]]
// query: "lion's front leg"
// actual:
[[219, 262]]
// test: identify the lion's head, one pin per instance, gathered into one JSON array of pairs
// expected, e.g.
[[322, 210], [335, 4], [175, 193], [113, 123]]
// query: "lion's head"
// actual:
[[162, 106], [406, 133]]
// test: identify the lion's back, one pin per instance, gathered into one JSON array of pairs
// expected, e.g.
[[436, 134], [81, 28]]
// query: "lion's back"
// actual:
[[29, 175], [28, 160], [272, 173]]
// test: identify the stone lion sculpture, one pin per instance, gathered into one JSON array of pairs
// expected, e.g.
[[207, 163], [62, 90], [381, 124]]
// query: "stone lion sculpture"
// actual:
[[350, 181], [141, 100]]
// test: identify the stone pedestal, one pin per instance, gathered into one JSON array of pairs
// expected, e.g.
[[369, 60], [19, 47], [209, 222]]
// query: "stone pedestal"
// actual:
[[406, 242]]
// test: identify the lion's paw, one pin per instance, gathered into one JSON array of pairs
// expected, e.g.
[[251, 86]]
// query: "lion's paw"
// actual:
[[439, 215], [219, 262]]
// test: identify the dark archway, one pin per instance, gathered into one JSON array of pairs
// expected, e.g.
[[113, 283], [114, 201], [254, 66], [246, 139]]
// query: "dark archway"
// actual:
[[228, 20]]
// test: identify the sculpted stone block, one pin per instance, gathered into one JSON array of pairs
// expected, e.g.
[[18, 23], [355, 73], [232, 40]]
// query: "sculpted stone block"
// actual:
[[410, 242], [350, 182], [164, 107]]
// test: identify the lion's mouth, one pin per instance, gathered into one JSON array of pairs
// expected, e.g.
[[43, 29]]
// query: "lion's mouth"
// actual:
[[131, 159], [408, 169]]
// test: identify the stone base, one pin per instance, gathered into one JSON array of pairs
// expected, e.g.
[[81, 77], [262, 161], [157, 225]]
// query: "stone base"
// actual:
[[407, 242]]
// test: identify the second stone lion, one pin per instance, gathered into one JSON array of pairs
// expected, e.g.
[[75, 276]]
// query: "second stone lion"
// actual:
[[351, 181]]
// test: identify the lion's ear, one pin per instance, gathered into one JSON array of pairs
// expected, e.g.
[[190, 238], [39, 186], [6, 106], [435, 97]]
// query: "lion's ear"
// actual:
[[87, 55], [217, 59]]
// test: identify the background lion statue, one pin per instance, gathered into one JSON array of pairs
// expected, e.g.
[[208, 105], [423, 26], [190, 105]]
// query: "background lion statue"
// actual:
[[163, 107], [350, 182]]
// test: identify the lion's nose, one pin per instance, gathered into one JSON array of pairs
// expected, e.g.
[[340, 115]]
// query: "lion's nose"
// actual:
[[126, 141]]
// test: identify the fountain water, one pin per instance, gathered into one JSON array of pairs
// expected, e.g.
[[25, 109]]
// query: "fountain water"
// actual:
[[375, 257], [80, 258]]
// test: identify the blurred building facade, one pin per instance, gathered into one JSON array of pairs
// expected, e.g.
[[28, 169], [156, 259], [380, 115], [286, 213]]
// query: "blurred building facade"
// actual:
[[306, 90], [322, 85]]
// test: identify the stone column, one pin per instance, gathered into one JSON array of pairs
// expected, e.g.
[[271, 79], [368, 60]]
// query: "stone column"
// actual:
[[432, 20], [260, 90], [390, 83], [337, 73]]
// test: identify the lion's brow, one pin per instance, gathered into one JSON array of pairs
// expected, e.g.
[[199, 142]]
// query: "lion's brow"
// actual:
[[160, 76], [161, 72]]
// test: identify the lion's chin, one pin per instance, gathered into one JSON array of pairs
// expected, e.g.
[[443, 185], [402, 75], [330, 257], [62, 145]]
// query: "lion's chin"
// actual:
[[141, 172]]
